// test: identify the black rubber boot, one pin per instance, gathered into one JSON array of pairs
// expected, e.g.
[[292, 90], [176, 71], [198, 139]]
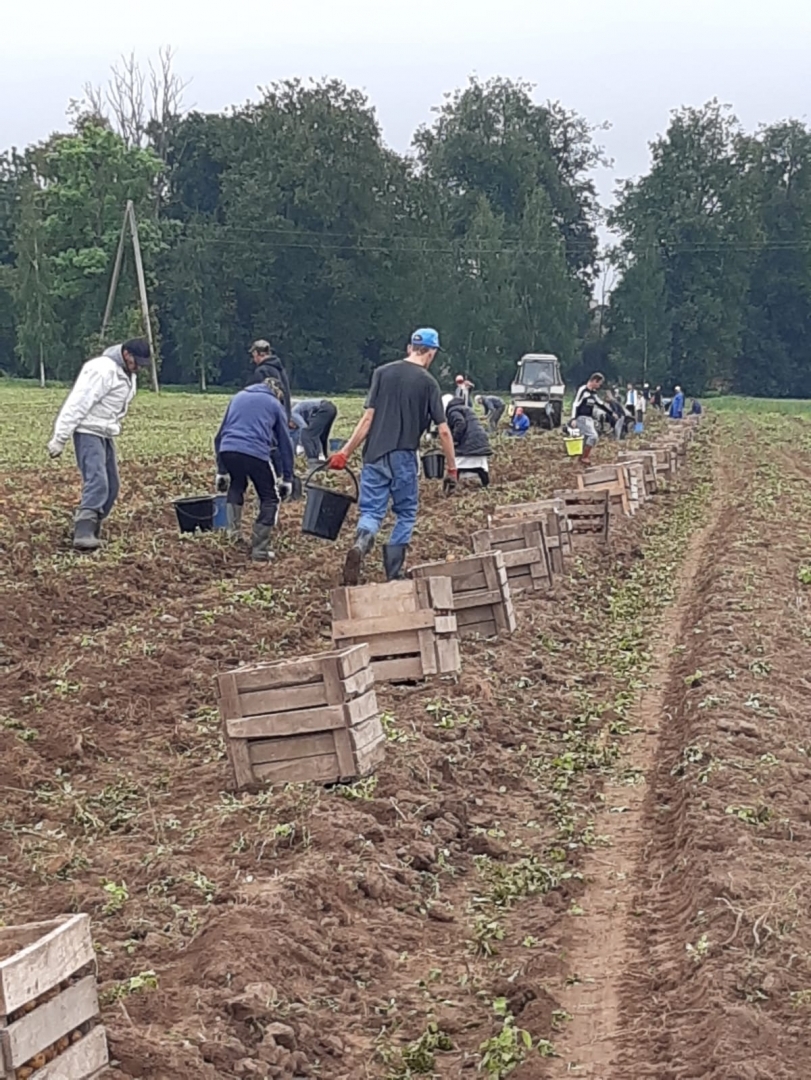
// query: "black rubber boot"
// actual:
[[394, 556], [355, 556], [233, 516], [260, 543], [86, 531]]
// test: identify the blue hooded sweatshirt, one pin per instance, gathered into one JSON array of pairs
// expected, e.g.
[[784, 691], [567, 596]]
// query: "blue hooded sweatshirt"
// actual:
[[255, 423]]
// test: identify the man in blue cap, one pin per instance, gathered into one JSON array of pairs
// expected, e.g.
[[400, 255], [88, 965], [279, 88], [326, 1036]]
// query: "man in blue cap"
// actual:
[[403, 402]]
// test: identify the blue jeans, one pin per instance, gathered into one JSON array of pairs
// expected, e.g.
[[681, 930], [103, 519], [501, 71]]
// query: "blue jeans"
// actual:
[[95, 457], [393, 477]]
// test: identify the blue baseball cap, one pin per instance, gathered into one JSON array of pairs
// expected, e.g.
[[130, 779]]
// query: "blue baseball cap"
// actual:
[[428, 338]]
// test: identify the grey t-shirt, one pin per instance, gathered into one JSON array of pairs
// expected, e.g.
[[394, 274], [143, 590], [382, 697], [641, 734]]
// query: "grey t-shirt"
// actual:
[[406, 401]]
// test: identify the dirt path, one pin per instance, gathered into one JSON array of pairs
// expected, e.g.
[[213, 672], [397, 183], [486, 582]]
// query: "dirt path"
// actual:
[[602, 950]]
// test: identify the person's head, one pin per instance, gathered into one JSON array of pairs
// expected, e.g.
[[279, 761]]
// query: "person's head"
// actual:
[[596, 381], [275, 388], [609, 395], [260, 350], [478, 399], [447, 399], [135, 354], [460, 380], [424, 346], [519, 411], [630, 386], [678, 389]]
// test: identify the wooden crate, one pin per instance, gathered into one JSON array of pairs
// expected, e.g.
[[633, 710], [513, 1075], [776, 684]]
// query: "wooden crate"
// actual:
[[481, 593], [556, 526], [666, 460], [587, 512], [610, 478], [311, 719], [49, 1008], [410, 626], [647, 458], [635, 479], [523, 546]]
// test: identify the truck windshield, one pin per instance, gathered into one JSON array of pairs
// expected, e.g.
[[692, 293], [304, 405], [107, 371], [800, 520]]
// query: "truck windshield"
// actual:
[[537, 373]]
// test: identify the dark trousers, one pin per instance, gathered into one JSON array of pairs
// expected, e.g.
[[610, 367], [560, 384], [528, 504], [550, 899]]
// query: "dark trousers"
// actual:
[[242, 468], [97, 463], [493, 418], [315, 437]]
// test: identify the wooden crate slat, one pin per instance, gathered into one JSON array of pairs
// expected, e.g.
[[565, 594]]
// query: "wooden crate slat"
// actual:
[[305, 720], [84, 1059], [291, 748], [522, 558], [369, 601], [399, 644], [383, 624], [352, 661], [362, 708], [486, 629], [477, 598], [320, 770], [45, 963], [360, 681], [308, 696], [367, 733], [447, 652], [398, 669], [46, 1024]]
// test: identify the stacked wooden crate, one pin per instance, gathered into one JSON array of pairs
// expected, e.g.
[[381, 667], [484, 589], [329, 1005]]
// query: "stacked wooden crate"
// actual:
[[610, 478], [481, 593], [410, 626], [49, 1008], [647, 458], [556, 526], [526, 557], [587, 512], [311, 719]]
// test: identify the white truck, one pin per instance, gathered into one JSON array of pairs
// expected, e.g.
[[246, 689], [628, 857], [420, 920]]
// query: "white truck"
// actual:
[[538, 389]]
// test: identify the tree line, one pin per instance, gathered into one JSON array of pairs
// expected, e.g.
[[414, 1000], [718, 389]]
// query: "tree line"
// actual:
[[290, 219]]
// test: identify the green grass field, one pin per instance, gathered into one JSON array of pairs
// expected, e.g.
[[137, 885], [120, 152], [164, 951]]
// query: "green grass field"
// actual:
[[178, 422]]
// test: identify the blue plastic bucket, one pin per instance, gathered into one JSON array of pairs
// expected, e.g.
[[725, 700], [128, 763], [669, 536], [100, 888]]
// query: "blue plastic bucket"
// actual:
[[638, 428], [220, 518]]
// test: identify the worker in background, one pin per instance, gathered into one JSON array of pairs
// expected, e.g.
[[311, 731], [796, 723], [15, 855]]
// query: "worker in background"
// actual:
[[463, 388], [695, 407], [267, 365], [470, 443], [254, 426], [641, 408], [493, 410], [618, 418], [676, 411], [519, 424], [313, 420], [586, 408], [631, 396], [403, 401], [92, 415], [656, 398]]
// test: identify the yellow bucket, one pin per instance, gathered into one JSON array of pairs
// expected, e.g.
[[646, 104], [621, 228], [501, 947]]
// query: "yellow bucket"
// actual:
[[574, 445]]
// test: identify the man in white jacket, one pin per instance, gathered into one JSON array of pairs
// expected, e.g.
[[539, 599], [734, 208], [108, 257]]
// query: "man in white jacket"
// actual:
[[92, 415]]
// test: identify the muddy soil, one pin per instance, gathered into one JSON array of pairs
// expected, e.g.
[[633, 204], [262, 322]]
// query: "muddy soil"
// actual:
[[389, 929]]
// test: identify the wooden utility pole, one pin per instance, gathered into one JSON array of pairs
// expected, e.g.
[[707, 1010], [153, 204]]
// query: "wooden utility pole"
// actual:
[[131, 222]]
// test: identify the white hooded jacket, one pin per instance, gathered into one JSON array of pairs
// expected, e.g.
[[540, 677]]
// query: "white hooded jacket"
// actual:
[[99, 399]]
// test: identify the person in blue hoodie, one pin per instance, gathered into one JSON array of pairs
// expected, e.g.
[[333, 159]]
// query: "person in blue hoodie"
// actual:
[[677, 405], [253, 429], [519, 424]]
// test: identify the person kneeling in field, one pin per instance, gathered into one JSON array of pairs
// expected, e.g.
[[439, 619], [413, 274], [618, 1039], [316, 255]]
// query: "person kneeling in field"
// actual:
[[519, 423], [470, 442], [92, 415], [586, 407], [403, 402], [313, 420], [253, 429]]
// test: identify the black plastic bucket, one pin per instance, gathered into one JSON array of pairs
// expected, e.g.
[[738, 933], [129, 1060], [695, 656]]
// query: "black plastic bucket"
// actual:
[[433, 465], [325, 510], [195, 513]]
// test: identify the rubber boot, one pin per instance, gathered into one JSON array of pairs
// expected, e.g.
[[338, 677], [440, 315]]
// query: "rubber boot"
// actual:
[[260, 543], [394, 556], [355, 556], [86, 531], [585, 457], [233, 516]]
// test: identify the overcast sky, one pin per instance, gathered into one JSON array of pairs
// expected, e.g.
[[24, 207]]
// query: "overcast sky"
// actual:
[[628, 62]]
